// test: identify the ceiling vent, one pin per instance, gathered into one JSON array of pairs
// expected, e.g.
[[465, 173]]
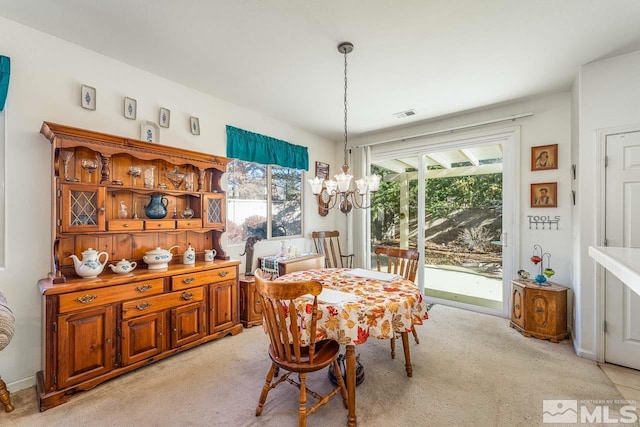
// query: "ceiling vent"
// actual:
[[407, 113]]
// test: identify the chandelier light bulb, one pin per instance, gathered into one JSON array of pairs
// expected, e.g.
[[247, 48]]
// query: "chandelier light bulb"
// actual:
[[331, 186]]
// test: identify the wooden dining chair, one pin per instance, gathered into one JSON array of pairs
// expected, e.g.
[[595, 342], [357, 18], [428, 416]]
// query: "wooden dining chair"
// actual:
[[287, 351], [403, 262], [328, 244]]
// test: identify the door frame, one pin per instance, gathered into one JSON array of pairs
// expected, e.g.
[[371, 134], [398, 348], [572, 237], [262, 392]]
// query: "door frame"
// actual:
[[509, 137], [600, 220]]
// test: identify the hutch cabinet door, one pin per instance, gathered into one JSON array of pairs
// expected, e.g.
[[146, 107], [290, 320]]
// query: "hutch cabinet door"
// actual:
[[213, 210], [223, 306], [143, 337], [85, 344], [188, 323], [82, 208]]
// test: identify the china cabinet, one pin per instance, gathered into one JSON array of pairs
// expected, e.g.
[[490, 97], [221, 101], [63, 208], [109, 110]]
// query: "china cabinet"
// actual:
[[539, 311], [134, 203]]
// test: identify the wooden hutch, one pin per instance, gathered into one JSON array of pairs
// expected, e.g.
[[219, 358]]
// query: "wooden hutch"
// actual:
[[96, 329]]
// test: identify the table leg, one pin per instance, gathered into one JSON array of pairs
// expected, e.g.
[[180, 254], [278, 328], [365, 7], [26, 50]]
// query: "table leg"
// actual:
[[407, 354], [350, 356]]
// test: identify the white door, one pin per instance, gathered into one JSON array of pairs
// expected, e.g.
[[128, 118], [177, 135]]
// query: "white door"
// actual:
[[622, 228]]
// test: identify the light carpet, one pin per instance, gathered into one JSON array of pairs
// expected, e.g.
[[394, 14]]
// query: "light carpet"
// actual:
[[469, 369]]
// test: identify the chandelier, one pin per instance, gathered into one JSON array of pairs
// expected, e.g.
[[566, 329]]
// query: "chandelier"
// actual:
[[339, 193]]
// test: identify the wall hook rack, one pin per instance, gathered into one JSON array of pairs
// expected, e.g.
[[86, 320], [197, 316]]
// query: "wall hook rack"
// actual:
[[543, 221]]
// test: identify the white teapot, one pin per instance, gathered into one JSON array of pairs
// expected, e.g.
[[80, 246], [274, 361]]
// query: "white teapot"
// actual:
[[189, 256], [90, 266], [123, 267]]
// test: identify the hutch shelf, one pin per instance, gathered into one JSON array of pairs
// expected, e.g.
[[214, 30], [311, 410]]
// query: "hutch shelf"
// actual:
[[96, 329]]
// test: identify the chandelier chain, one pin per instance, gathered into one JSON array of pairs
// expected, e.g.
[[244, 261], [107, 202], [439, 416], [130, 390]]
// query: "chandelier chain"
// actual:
[[345, 107]]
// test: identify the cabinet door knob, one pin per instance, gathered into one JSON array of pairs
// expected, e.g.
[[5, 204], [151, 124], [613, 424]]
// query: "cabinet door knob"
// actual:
[[109, 340], [539, 310], [188, 280], [144, 288], [517, 306], [187, 296], [126, 225], [223, 273]]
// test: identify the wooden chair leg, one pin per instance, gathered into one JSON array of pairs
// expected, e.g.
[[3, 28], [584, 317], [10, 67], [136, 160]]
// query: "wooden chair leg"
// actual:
[[415, 334], [341, 384], [5, 397], [393, 346], [265, 389], [407, 354], [302, 411]]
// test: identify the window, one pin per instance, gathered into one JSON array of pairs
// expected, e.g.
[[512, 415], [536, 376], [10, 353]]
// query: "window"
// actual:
[[252, 210]]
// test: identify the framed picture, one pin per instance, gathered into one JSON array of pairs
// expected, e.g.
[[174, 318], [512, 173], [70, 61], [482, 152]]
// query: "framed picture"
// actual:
[[544, 157], [322, 170], [88, 97], [130, 107], [194, 124], [149, 132], [165, 117], [544, 195]]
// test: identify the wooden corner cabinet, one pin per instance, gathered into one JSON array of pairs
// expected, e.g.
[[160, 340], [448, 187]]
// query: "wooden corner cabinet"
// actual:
[[95, 329], [539, 311]]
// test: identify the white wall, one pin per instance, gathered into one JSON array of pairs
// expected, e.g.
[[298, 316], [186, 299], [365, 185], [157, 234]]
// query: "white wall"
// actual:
[[608, 97], [45, 84], [550, 124]]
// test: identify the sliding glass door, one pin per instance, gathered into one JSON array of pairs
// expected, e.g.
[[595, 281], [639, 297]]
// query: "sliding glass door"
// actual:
[[448, 201]]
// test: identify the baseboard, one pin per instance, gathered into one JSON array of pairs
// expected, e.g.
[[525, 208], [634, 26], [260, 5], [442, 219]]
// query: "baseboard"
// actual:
[[21, 384], [586, 354]]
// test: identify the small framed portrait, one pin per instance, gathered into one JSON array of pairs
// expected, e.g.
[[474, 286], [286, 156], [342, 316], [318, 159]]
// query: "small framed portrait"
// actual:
[[165, 117], [130, 108], [88, 97], [194, 124], [322, 170], [544, 157], [544, 195]]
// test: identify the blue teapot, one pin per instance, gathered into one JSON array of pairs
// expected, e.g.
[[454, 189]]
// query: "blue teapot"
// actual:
[[157, 207]]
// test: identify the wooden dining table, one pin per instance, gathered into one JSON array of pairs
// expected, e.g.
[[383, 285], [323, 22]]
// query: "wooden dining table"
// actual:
[[367, 305]]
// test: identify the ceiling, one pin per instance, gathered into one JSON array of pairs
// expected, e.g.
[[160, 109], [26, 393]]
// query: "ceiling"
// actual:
[[279, 57]]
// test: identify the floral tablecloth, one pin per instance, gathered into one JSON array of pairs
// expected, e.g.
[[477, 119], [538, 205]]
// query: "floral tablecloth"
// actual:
[[381, 307]]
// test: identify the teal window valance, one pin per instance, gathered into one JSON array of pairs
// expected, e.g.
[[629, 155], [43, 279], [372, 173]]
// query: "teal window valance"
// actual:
[[5, 70], [253, 147]]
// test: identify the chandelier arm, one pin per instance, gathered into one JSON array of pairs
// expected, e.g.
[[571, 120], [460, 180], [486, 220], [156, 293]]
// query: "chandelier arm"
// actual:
[[362, 198]]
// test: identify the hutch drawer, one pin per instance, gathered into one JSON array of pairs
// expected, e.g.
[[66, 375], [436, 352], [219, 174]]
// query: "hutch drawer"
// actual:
[[95, 297], [185, 281], [141, 306], [159, 224]]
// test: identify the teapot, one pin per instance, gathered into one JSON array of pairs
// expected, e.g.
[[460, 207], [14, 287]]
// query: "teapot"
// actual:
[[157, 207], [123, 267], [189, 256], [158, 258], [209, 255], [90, 266]]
